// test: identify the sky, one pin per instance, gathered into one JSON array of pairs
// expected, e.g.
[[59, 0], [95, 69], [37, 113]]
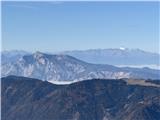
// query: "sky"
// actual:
[[60, 26]]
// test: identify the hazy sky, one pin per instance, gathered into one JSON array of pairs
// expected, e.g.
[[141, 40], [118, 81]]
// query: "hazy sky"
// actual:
[[58, 26]]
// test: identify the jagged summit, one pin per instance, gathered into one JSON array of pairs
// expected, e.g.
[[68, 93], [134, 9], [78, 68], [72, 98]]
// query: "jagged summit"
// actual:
[[38, 54]]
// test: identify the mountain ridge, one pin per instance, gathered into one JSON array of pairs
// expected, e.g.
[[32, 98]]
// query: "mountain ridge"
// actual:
[[63, 68], [113, 56], [97, 99]]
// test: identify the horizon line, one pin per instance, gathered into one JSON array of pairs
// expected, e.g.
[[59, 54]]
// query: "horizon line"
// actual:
[[59, 51]]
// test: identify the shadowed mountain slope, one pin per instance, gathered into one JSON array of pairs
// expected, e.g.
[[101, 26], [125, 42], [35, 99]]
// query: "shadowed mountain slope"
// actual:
[[31, 99]]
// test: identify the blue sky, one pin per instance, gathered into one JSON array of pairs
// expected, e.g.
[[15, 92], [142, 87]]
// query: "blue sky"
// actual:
[[58, 26]]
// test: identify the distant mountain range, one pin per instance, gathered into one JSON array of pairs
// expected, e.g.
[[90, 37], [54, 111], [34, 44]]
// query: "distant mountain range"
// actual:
[[32, 99], [12, 56], [121, 56], [118, 57], [66, 68]]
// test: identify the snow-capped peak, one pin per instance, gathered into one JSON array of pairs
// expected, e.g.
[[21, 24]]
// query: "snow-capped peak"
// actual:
[[122, 48]]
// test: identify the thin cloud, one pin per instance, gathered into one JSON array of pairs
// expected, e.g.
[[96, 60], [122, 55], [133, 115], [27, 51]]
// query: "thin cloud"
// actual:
[[27, 6], [56, 2], [35, 5]]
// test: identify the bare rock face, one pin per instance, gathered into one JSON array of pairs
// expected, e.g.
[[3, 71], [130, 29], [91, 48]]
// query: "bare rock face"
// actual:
[[97, 99]]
